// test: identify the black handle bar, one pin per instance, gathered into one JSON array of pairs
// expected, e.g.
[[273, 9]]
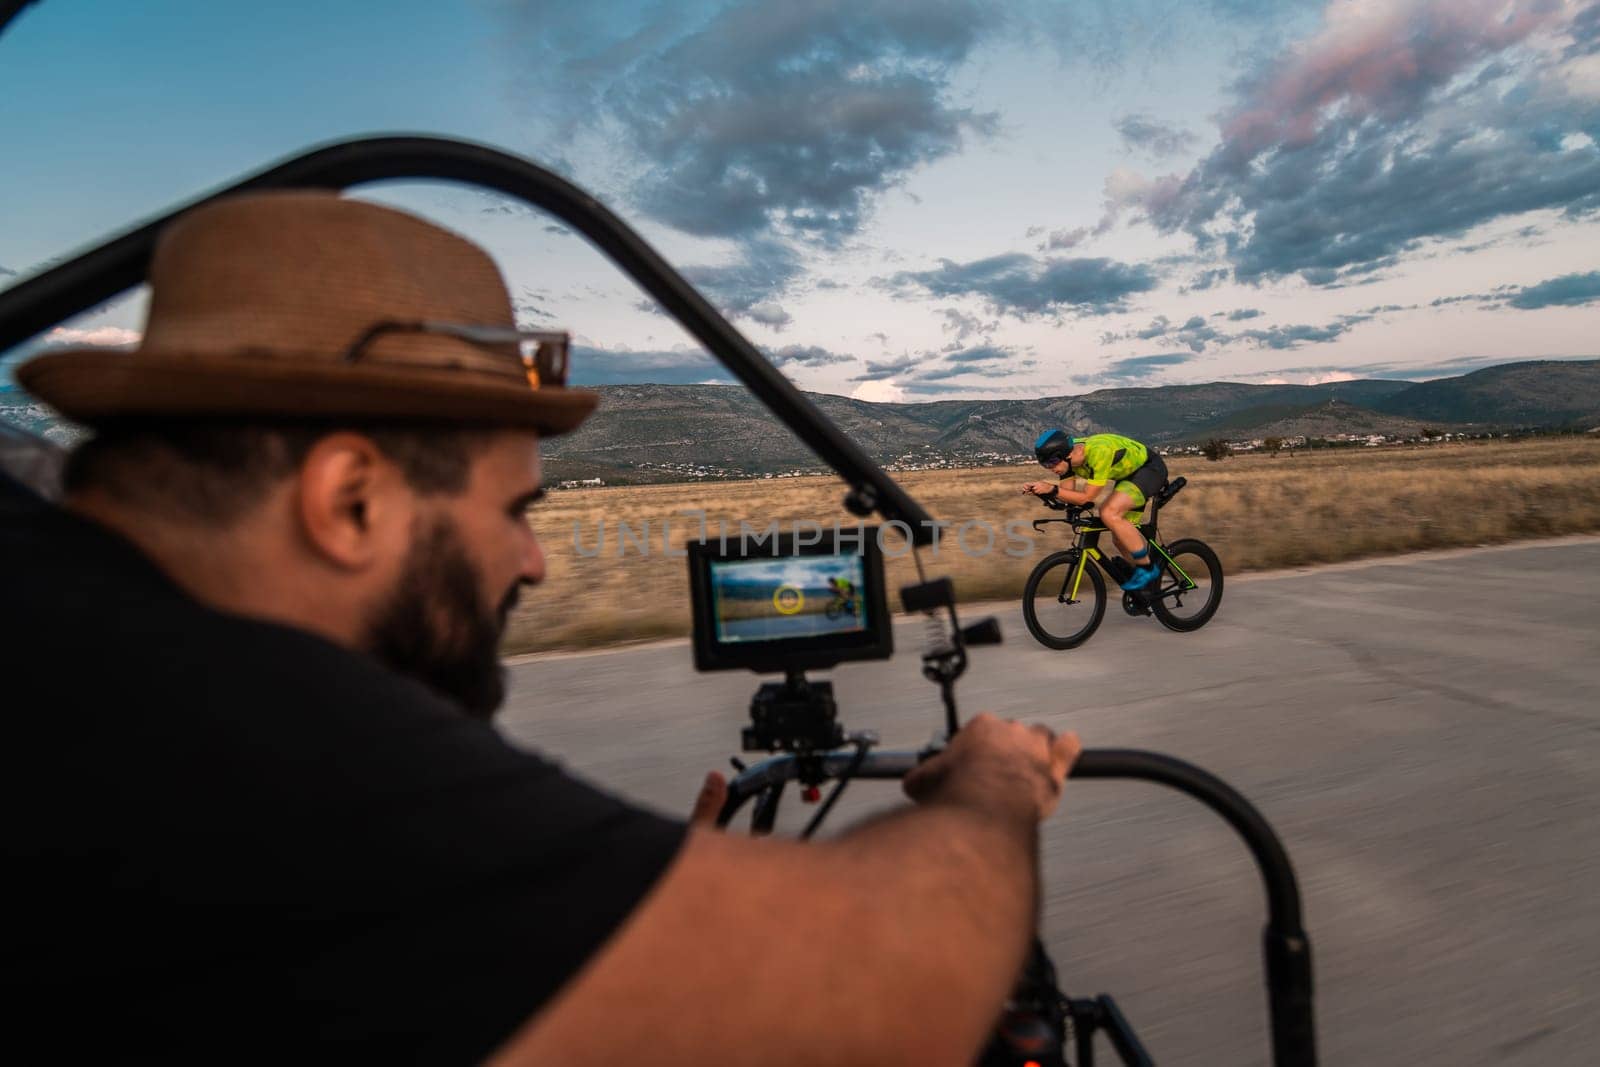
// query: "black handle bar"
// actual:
[[100, 273], [1286, 946]]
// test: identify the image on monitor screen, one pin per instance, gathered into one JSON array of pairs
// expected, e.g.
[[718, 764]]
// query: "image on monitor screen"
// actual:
[[780, 599]]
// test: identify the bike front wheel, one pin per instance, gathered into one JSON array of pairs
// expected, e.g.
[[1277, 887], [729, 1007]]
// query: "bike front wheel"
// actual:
[[1190, 589], [1054, 616]]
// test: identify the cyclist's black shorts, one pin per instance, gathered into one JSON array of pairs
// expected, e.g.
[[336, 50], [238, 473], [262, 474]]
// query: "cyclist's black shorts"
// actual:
[[1150, 478]]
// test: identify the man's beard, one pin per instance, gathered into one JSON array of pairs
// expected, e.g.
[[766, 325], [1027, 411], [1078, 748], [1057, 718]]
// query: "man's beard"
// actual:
[[435, 628]]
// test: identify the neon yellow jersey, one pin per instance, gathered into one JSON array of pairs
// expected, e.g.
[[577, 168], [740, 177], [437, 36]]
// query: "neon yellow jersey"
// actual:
[[1109, 457]]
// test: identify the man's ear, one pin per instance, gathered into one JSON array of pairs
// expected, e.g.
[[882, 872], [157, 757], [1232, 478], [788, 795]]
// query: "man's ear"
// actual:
[[349, 497]]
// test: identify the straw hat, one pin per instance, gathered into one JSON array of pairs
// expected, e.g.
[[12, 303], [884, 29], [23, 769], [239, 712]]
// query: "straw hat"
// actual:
[[264, 305]]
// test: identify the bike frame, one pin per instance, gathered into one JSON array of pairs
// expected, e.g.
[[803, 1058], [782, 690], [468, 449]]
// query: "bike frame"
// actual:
[[844, 605], [1087, 544]]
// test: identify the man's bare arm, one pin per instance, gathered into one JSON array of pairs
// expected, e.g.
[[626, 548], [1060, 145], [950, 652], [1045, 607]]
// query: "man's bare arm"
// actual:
[[895, 943]]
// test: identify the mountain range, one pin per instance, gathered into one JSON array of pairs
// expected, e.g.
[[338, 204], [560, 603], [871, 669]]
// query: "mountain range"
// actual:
[[644, 432], [667, 432]]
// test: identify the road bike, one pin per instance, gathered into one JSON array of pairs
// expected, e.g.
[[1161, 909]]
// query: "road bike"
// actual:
[[842, 604], [1064, 599]]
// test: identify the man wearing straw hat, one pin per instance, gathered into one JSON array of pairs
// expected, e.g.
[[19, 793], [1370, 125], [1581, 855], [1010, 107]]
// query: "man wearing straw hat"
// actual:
[[255, 810]]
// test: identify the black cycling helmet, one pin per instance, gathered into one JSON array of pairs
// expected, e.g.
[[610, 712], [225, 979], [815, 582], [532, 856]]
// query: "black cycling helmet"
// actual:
[[1053, 446]]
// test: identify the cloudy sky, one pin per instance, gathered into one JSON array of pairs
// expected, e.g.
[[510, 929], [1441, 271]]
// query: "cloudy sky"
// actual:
[[904, 199]]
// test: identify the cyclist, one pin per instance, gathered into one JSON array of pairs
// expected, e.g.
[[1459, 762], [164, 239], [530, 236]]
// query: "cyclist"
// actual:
[[844, 592], [1122, 474]]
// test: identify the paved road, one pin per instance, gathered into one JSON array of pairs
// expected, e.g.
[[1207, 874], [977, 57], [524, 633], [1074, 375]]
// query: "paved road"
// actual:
[[1424, 733]]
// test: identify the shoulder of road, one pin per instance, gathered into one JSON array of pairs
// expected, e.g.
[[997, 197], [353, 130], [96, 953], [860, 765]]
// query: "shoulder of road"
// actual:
[[1248, 576]]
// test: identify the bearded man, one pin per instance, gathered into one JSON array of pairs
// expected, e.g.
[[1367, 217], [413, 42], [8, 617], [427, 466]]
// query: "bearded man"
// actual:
[[254, 807]]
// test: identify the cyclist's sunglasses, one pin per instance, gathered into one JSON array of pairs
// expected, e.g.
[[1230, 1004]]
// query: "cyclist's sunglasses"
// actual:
[[544, 353]]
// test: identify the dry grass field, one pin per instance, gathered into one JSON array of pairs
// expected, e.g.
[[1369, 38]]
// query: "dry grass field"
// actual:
[[1257, 511]]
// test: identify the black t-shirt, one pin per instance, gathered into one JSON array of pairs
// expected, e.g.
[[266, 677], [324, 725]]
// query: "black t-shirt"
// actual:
[[229, 840]]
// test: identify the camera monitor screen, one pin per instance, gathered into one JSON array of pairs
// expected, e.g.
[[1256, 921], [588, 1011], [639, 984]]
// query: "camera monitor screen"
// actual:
[[802, 596], [775, 607]]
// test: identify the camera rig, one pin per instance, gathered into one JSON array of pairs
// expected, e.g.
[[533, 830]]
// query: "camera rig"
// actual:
[[795, 715], [801, 716]]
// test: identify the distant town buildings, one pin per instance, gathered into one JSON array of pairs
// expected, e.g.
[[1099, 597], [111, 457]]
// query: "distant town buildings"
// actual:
[[936, 461], [928, 458]]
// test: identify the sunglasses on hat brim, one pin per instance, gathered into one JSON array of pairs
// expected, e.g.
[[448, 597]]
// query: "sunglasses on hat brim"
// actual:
[[545, 354]]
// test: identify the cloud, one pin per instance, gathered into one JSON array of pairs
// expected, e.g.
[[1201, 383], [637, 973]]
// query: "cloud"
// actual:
[[533, 307], [1394, 124], [769, 313], [622, 366], [1207, 279], [753, 118], [763, 269], [907, 370], [599, 366], [965, 326], [1158, 328], [944, 373], [736, 119], [879, 391], [1359, 274], [928, 386], [1061, 240], [771, 125], [7, 272], [1021, 285], [1410, 370], [1147, 134], [1111, 34], [981, 354], [102, 336], [1568, 290], [1378, 61], [1140, 368], [992, 361], [1585, 32], [805, 356], [1195, 332], [1415, 370], [879, 370], [1282, 337]]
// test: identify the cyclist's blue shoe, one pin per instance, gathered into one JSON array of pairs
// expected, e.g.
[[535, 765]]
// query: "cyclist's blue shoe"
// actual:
[[1142, 576]]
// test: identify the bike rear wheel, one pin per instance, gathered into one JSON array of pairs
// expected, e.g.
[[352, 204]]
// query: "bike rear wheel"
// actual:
[[1181, 608], [1052, 621]]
